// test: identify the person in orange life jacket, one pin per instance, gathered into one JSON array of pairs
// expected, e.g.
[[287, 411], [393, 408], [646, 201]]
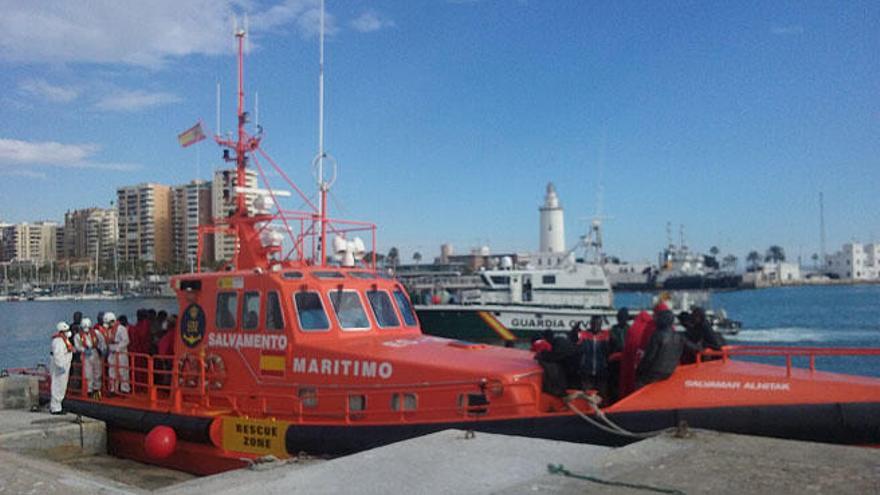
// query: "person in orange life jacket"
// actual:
[[88, 342], [593, 348], [117, 359], [664, 351], [59, 365]]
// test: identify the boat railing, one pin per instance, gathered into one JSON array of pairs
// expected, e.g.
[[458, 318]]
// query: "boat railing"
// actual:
[[787, 353], [171, 383]]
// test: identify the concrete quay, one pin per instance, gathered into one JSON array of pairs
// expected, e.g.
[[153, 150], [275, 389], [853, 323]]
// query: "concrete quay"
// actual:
[[40, 453]]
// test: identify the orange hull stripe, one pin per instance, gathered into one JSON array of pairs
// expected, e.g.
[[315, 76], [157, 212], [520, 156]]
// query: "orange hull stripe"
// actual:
[[496, 326]]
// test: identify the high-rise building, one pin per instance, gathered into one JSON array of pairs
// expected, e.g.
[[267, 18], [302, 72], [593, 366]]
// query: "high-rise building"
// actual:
[[32, 242], [223, 203], [90, 234], [190, 208], [145, 224]]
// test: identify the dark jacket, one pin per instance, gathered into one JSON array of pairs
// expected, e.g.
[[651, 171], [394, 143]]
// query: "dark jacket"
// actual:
[[618, 337], [564, 355], [594, 354], [662, 355]]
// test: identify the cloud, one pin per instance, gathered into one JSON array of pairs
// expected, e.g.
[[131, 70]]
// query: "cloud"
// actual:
[[30, 174], [146, 34], [792, 30], [370, 21], [17, 153], [50, 92], [134, 100]]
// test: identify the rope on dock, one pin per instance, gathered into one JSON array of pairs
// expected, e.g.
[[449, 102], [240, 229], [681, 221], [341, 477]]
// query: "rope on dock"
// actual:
[[560, 469]]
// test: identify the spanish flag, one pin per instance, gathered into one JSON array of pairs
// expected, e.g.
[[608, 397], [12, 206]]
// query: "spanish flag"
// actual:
[[191, 136]]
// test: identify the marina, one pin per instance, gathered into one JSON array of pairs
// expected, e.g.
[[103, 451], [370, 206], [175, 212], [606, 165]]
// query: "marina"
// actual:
[[229, 324]]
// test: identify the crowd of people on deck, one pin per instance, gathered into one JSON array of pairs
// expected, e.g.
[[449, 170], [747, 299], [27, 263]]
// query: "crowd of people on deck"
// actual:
[[620, 360], [106, 345]]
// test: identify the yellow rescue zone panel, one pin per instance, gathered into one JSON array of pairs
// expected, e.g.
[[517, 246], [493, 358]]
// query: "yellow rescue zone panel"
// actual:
[[255, 436]]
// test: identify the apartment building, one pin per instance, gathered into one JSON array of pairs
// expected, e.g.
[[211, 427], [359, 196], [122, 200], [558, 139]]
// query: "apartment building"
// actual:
[[191, 207], [145, 226], [89, 234], [33, 242]]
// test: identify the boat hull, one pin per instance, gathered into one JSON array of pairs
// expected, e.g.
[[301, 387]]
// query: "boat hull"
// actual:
[[842, 423]]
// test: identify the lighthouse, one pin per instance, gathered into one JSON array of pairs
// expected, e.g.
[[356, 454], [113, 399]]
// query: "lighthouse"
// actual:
[[552, 223]]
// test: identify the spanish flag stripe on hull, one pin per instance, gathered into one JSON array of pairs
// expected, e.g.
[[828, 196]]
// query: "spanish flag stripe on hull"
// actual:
[[496, 325], [272, 364]]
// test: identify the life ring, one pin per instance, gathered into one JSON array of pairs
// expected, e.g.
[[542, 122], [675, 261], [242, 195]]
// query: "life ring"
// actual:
[[215, 371]]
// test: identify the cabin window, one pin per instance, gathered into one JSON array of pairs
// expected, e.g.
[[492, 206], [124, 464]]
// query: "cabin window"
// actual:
[[274, 316], [310, 311], [227, 307], [499, 280], [250, 311], [357, 403], [404, 402], [549, 279], [349, 310], [405, 308], [292, 275], [308, 396], [383, 310], [326, 275], [363, 275]]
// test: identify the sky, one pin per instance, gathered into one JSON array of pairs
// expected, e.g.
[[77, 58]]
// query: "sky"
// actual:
[[448, 117]]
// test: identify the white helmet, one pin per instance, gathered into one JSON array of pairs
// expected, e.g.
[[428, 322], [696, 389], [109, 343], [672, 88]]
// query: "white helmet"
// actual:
[[86, 323], [62, 326], [109, 318]]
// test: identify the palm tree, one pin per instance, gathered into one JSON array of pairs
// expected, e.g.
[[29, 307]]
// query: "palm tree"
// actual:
[[729, 262], [815, 258], [714, 251], [754, 260], [392, 258], [417, 257], [775, 254]]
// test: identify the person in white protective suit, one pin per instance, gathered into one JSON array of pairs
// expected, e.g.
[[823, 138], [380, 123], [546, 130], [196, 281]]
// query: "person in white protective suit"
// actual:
[[59, 365], [117, 361], [92, 348]]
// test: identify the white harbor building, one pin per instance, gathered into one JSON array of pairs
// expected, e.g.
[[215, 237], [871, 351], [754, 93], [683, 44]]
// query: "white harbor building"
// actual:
[[855, 261]]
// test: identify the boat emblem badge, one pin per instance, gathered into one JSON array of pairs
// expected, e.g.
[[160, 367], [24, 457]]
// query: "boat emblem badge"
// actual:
[[192, 328]]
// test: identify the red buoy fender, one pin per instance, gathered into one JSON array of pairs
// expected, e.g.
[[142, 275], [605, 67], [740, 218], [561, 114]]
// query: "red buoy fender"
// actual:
[[160, 442]]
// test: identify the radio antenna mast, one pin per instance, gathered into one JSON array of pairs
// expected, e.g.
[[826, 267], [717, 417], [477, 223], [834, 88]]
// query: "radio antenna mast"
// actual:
[[322, 158]]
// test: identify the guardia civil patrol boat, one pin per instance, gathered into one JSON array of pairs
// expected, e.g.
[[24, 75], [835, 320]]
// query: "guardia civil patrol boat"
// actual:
[[300, 344]]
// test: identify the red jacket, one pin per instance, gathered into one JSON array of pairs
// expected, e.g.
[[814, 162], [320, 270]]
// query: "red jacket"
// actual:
[[139, 337], [633, 349]]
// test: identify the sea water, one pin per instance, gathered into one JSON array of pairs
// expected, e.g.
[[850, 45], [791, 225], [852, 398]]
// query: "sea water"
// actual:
[[817, 316], [804, 316]]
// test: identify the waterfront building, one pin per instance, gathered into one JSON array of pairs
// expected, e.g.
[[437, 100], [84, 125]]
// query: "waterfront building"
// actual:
[[855, 261], [223, 203], [145, 224], [30, 242], [191, 208], [89, 234], [780, 272]]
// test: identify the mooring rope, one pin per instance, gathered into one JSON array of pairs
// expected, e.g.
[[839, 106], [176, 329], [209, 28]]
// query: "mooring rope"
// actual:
[[609, 426], [560, 469]]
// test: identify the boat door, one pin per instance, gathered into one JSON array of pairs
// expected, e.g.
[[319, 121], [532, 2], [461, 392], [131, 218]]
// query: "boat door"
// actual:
[[516, 289], [527, 288]]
